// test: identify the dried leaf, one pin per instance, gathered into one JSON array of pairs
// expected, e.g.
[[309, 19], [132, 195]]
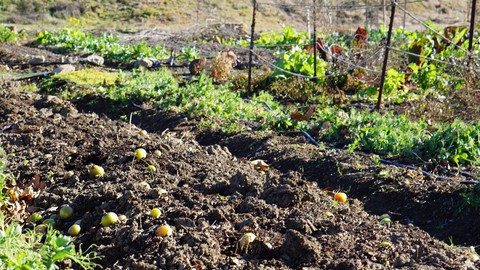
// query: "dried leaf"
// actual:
[[303, 117], [360, 37], [14, 193], [37, 184], [298, 116], [310, 112]]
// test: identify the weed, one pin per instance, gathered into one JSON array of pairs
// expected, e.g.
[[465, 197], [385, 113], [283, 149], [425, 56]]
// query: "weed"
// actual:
[[471, 196]]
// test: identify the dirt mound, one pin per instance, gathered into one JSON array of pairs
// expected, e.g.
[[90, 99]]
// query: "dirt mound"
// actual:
[[212, 198]]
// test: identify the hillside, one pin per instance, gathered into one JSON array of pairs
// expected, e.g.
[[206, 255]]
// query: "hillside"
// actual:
[[127, 15]]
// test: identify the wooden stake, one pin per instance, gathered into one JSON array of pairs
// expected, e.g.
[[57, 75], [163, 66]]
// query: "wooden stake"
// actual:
[[385, 60], [250, 55], [472, 25], [314, 40]]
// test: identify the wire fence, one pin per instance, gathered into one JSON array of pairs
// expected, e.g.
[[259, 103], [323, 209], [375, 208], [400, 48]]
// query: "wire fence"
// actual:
[[373, 56]]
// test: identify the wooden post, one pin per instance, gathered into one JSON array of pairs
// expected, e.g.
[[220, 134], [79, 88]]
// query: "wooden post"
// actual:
[[250, 55], [472, 25], [315, 39], [385, 60]]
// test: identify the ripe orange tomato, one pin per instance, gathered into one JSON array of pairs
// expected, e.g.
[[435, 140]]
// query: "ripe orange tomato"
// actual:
[[340, 197]]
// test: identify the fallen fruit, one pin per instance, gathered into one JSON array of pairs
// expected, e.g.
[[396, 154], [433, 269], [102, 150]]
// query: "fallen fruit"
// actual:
[[108, 219], [164, 230], [340, 197], [384, 216], [385, 244], [66, 211], [42, 228], [97, 171], [35, 217], [157, 153], [155, 212], [140, 153], [122, 217], [49, 222], [143, 132], [385, 220], [151, 168], [74, 230]]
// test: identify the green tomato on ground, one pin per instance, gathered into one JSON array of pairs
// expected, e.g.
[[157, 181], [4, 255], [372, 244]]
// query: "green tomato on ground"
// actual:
[[97, 171], [74, 230], [66, 211], [140, 153], [109, 219]]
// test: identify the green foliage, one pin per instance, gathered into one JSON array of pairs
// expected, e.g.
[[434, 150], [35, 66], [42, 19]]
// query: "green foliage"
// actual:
[[388, 134], [3, 179], [88, 77], [141, 86], [188, 54], [27, 249], [457, 142], [393, 81], [288, 37], [107, 45], [298, 61], [471, 196], [8, 35]]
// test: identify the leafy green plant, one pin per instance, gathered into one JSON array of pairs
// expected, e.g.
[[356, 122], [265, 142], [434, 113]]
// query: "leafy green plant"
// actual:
[[71, 40], [189, 53], [8, 35], [457, 142], [298, 61], [288, 37], [28, 249]]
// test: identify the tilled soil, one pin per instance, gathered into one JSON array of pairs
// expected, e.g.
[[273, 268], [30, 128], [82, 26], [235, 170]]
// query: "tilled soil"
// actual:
[[211, 195]]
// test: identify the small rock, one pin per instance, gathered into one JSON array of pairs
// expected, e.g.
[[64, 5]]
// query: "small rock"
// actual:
[[64, 69], [36, 59], [69, 112], [72, 59], [95, 59], [144, 62]]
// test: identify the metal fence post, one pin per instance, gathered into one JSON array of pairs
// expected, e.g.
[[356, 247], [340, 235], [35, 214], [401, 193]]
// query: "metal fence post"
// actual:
[[472, 25], [315, 39], [385, 60], [250, 54]]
